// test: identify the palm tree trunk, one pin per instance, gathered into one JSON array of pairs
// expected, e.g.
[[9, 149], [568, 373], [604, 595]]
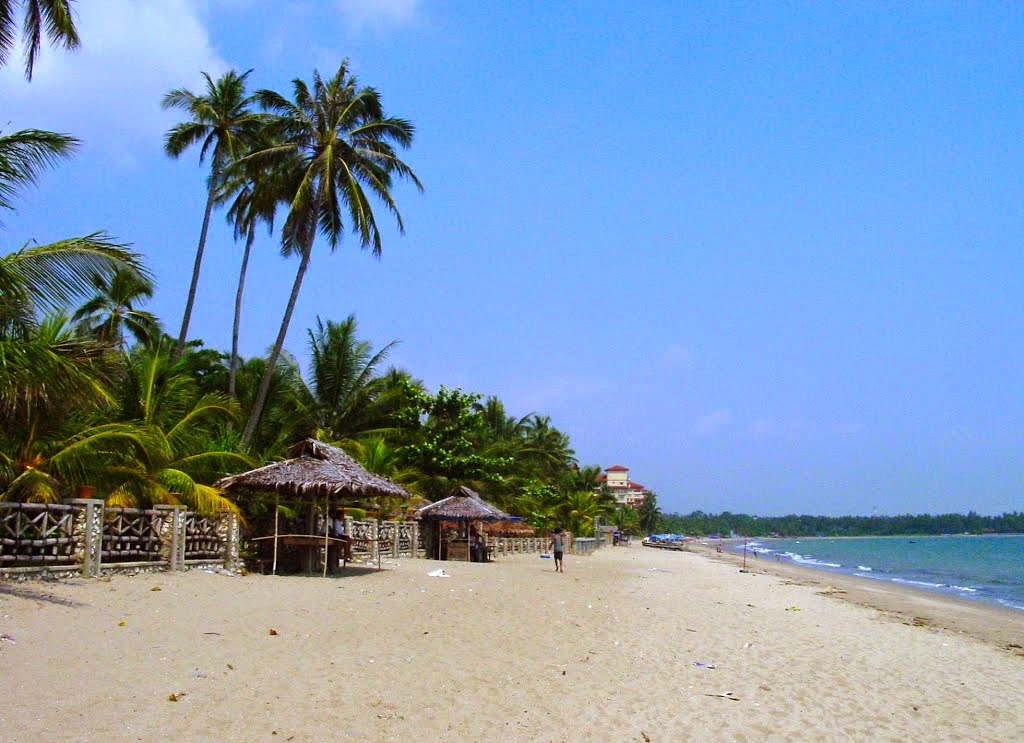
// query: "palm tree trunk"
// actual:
[[233, 373], [268, 373], [214, 178]]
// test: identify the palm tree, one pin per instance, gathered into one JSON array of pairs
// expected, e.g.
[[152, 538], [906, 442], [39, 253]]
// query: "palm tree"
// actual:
[[223, 122], [344, 378], [46, 366], [49, 370], [177, 425], [53, 17], [111, 310], [546, 448], [23, 156], [287, 415], [648, 514], [579, 511], [334, 144]]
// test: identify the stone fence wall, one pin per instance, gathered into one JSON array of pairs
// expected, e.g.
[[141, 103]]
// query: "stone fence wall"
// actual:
[[85, 537]]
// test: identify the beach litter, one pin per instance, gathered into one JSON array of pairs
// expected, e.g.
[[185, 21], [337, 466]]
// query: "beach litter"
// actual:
[[725, 695], [704, 665], [439, 573], [792, 608], [544, 556], [8, 638]]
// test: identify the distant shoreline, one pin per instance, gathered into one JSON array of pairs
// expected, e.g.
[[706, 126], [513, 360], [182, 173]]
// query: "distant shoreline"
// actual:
[[733, 540], [990, 623]]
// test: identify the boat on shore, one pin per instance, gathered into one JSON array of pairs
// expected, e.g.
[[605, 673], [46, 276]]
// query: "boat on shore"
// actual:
[[667, 541]]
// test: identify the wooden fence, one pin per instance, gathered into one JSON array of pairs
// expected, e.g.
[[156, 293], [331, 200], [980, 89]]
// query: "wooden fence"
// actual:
[[87, 537]]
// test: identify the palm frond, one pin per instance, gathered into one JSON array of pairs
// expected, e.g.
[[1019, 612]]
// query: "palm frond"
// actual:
[[25, 154]]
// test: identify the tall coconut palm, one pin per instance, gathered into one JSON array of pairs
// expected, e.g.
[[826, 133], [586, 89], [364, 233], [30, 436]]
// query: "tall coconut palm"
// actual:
[[335, 147], [112, 310], [224, 124], [254, 200], [52, 17]]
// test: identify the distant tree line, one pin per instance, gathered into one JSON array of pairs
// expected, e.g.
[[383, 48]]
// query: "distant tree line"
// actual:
[[699, 523]]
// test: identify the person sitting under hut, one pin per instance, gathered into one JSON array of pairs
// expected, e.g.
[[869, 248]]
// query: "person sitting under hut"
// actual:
[[337, 550]]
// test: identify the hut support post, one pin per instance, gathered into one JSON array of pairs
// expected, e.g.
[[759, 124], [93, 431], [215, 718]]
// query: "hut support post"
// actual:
[[327, 534], [277, 511]]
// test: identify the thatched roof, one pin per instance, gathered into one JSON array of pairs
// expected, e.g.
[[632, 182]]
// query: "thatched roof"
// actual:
[[315, 470], [463, 505]]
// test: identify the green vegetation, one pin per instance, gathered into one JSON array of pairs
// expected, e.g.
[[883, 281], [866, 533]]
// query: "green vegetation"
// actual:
[[699, 523], [94, 393]]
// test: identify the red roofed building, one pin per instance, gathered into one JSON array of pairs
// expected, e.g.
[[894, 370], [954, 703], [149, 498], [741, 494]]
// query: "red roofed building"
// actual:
[[626, 492]]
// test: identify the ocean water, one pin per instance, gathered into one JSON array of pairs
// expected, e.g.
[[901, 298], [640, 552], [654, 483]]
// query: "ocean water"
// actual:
[[981, 568]]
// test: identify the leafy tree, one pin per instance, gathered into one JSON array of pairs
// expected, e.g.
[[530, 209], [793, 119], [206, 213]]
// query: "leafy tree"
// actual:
[[441, 435], [332, 145], [50, 17], [223, 123]]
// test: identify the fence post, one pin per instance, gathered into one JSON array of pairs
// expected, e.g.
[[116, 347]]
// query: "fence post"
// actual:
[[229, 534], [375, 537], [168, 545], [414, 540], [92, 535], [180, 534]]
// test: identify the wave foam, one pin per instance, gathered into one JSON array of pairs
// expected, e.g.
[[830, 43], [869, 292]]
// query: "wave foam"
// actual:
[[917, 582]]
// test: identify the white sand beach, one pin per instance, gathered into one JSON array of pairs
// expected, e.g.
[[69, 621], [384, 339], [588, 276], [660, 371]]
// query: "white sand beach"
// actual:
[[628, 644]]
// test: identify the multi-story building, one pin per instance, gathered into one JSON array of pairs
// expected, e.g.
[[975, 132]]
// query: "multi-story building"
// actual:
[[626, 492]]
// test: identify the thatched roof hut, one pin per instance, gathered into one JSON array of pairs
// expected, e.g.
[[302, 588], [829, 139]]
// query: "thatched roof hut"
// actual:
[[462, 505], [314, 470]]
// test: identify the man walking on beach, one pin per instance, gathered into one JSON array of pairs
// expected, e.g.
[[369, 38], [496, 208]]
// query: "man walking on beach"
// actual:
[[558, 549]]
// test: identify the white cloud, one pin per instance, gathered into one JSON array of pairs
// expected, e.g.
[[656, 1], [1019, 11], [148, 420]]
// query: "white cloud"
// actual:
[[378, 14], [108, 92], [712, 423]]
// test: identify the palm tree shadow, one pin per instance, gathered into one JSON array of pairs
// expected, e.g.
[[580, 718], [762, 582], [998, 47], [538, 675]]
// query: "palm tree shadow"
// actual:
[[23, 592]]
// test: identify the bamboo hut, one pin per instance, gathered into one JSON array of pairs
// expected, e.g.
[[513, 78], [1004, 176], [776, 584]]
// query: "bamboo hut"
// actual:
[[315, 473], [462, 508]]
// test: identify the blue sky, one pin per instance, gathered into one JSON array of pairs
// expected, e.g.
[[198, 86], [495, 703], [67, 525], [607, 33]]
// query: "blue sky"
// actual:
[[766, 255]]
